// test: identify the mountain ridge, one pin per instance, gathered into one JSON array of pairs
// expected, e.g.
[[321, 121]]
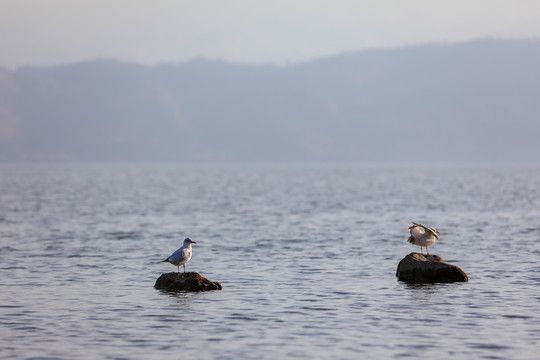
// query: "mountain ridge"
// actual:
[[466, 102]]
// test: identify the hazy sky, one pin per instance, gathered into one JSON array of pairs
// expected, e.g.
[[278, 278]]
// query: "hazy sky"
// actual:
[[49, 32]]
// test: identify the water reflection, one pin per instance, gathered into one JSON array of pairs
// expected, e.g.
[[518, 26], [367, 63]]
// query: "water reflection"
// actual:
[[179, 295], [426, 292]]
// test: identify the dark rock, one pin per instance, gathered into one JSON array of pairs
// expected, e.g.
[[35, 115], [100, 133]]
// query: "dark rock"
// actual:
[[190, 281], [421, 268]]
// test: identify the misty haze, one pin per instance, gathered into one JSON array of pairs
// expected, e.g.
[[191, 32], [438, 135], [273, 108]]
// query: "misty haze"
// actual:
[[468, 102]]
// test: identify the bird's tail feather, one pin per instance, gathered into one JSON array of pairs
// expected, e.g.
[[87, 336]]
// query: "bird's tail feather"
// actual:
[[167, 259]]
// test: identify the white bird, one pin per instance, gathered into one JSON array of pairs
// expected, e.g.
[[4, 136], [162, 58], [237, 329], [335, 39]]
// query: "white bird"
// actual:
[[422, 237], [182, 255]]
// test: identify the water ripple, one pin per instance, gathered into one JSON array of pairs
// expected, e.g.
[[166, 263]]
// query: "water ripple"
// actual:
[[306, 254]]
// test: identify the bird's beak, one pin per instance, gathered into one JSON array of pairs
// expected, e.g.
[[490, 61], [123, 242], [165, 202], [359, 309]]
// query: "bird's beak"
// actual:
[[193, 242]]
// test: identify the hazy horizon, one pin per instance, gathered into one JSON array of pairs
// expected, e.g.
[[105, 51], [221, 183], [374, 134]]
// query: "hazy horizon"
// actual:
[[271, 65], [59, 32], [270, 81], [468, 102]]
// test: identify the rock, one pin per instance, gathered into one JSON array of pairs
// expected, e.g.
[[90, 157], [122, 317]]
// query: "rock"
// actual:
[[190, 281], [421, 268]]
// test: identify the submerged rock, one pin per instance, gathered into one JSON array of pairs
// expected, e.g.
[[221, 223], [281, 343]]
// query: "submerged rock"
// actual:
[[421, 268], [190, 281]]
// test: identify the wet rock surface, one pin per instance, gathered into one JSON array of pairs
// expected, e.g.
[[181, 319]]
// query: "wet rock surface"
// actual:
[[190, 281], [419, 268]]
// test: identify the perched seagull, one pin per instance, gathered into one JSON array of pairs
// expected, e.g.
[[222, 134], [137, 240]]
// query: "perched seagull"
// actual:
[[182, 255], [425, 237]]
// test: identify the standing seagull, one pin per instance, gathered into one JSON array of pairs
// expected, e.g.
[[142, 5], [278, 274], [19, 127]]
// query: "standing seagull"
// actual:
[[425, 237], [182, 255]]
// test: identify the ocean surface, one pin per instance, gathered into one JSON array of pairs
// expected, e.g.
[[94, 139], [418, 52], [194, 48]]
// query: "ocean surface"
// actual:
[[306, 255]]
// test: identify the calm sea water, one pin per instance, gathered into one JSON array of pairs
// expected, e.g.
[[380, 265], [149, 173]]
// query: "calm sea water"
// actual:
[[306, 255]]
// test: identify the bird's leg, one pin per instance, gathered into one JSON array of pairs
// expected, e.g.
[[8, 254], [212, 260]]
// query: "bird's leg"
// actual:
[[427, 251], [178, 269], [184, 268], [422, 250]]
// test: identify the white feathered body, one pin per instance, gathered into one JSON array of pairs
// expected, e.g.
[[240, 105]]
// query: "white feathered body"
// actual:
[[422, 235], [180, 256]]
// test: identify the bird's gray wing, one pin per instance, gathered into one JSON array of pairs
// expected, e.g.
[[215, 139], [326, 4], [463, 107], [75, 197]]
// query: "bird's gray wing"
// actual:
[[430, 230], [179, 255], [435, 232]]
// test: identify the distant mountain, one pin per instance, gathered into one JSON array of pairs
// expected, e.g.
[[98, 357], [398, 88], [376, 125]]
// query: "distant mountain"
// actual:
[[468, 102]]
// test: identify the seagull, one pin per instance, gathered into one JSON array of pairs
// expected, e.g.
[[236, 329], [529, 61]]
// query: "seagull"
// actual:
[[425, 237], [182, 255]]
